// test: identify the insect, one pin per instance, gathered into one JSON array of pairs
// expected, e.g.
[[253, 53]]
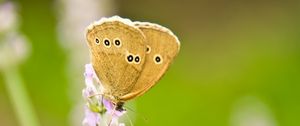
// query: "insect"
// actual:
[[129, 57]]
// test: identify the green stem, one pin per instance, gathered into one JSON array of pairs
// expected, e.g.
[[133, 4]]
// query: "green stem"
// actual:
[[19, 97]]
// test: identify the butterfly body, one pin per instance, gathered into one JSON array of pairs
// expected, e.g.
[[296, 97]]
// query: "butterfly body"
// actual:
[[129, 57]]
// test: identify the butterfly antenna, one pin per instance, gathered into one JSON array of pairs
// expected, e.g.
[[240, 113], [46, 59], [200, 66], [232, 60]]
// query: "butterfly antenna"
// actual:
[[138, 115], [129, 108], [94, 95], [130, 121]]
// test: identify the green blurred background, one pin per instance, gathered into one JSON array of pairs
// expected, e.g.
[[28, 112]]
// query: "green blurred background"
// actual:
[[239, 63]]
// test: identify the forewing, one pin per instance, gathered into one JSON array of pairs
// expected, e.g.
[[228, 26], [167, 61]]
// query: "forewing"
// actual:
[[111, 41]]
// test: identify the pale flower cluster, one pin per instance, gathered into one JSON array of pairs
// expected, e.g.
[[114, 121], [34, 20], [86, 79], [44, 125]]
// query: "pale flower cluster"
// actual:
[[13, 45], [98, 110]]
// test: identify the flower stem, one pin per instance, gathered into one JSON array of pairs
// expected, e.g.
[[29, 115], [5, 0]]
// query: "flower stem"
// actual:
[[19, 97]]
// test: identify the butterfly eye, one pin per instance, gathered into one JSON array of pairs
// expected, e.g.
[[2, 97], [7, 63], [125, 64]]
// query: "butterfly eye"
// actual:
[[106, 43], [157, 59], [137, 59], [148, 49], [97, 41], [129, 58], [117, 42]]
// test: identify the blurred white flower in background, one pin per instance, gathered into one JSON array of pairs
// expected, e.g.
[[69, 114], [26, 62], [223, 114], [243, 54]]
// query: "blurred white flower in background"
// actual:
[[14, 47], [13, 50], [76, 15], [8, 17], [251, 111], [73, 18]]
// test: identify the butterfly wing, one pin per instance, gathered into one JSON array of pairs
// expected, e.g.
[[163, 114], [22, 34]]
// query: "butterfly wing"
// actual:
[[162, 47], [117, 50]]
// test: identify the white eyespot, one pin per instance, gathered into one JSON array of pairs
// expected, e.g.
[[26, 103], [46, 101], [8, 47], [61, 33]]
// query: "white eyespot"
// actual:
[[106, 43], [157, 59], [97, 41], [137, 59], [148, 49], [129, 58], [117, 42]]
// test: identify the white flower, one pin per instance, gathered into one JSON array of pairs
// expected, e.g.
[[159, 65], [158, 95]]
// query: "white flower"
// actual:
[[251, 111], [13, 45], [13, 49], [75, 16], [8, 17]]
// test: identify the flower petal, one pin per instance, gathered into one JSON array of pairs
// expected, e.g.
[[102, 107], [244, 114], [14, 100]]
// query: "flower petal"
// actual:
[[89, 73], [108, 105], [91, 118]]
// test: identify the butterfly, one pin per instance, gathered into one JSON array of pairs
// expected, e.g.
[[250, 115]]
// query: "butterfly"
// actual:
[[129, 57]]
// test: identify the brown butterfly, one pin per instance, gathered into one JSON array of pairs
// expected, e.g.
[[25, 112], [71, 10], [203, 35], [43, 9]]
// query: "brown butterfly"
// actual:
[[129, 57]]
